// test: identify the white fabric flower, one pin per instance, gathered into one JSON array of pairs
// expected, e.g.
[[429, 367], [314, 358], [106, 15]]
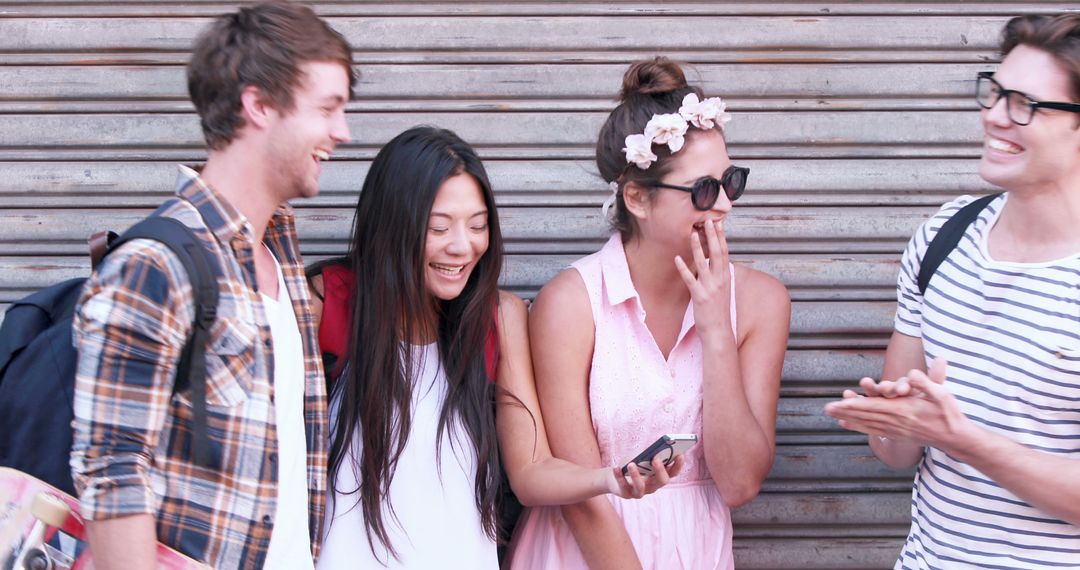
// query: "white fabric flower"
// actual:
[[721, 116], [667, 129], [704, 114], [614, 186], [670, 129], [638, 150]]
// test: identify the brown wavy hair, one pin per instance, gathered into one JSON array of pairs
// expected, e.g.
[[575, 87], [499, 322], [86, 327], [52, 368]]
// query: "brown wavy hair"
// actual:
[[263, 46], [1057, 35], [650, 87]]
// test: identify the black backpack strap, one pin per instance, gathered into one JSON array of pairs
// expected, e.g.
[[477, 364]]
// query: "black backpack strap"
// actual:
[[947, 237], [202, 271]]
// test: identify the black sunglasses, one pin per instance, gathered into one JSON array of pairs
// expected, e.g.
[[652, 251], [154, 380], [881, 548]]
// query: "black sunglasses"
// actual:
[[1019, 106], [706, 190]]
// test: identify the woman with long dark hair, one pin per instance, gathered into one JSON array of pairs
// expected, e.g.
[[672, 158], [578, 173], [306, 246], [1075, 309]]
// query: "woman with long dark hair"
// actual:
[[433, 394]]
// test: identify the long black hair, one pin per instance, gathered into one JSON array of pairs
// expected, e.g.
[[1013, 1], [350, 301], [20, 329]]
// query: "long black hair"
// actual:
[[392, 308]]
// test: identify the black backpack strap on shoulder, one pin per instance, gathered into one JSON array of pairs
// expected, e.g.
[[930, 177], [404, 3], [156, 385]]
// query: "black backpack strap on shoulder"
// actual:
[[203, 272], [947, 237]]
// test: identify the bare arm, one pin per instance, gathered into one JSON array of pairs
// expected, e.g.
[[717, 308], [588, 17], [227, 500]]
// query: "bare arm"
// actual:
[[1048, 482], [536, 477], [562, 336], [904, 353], [741, 381], [933, 418], [741, 399], [125, 543]]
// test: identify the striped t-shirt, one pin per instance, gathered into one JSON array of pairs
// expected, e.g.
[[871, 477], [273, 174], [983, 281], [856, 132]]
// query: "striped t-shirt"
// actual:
[[1011, 334]]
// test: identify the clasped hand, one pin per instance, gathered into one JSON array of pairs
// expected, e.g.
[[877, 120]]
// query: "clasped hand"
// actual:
[[916, 408]]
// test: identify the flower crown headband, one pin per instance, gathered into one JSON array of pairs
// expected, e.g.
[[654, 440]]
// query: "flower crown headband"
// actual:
[[670, 129]]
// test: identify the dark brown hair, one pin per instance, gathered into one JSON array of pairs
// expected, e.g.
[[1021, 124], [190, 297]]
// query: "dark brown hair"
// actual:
[[262, 46], [392, 306], [651, 87], [1057, 35]]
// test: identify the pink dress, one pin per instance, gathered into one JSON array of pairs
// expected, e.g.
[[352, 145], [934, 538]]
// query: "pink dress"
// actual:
[[636, 396]]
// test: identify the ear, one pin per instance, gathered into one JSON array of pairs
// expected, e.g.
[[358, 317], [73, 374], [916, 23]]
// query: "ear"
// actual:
[[257, 111], [636, 199]]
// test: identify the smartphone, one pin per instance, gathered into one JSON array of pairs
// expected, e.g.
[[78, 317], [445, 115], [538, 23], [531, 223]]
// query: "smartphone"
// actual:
[[667, 447]]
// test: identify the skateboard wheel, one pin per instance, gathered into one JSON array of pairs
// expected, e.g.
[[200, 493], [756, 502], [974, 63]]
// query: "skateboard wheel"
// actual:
[[38, 560], [49, 510]]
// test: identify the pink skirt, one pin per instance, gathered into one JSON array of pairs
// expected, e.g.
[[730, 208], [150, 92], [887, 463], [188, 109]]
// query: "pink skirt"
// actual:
[[683, 525]]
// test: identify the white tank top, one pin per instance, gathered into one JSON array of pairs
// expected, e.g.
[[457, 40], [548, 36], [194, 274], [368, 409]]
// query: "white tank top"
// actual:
[[290, 542], [434, 522]]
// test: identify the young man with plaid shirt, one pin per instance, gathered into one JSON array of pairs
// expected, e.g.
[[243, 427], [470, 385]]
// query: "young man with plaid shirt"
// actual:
[[270, 83]]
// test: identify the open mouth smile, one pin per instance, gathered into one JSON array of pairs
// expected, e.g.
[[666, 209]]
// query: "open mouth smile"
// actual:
[[448, 270], [1003, 146]]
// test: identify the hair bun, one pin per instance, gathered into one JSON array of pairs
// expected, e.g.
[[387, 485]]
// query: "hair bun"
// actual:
[[655, 76]]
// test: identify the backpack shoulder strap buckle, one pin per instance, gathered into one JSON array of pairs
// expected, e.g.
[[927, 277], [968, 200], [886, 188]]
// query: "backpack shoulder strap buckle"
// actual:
[[99, 243]]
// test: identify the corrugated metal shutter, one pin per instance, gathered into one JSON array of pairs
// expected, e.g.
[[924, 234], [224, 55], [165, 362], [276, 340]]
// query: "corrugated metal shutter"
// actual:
[[856, 119]]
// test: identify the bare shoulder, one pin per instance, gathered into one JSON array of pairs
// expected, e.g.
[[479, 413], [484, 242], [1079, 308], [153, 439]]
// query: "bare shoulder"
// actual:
[[564, 298], [761, 301], [315, 284], [510, 300], [759, 287], [512, 310]]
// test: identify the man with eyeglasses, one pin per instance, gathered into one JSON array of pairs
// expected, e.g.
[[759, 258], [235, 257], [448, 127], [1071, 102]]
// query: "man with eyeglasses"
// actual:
[[982, 386]]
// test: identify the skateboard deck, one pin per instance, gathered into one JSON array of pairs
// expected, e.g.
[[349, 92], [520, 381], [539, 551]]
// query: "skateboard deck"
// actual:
[[40, 527]]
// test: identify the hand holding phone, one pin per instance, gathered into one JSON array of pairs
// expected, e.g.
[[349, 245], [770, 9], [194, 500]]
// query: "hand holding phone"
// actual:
[[667, 447], [635, 484]]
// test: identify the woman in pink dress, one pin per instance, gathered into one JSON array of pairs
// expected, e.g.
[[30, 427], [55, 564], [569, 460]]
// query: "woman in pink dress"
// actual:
[[641, 339]]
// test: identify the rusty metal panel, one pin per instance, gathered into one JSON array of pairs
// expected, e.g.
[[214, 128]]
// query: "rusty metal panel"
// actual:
[[555, 32], [795, 182], [832, 553], [494, 128], [583, 84], [528, 230], [855, 117], [148, 133]]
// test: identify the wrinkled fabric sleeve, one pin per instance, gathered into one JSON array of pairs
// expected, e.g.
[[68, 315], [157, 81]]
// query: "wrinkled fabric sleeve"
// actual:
[[129, 330]]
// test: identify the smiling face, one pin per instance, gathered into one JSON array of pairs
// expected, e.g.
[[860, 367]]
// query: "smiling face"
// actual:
[[300, 139], [1043, 153], [457, 236], [669, 215]]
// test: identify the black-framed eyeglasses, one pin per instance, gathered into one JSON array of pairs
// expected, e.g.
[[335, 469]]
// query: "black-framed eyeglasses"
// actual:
[[1019, 106], [706, 190]]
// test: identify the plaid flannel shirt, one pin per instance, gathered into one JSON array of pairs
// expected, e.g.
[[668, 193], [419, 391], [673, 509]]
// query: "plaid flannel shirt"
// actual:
[[133, 436]]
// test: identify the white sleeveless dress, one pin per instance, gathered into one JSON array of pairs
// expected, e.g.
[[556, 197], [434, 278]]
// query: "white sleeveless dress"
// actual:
[[434, 522]]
